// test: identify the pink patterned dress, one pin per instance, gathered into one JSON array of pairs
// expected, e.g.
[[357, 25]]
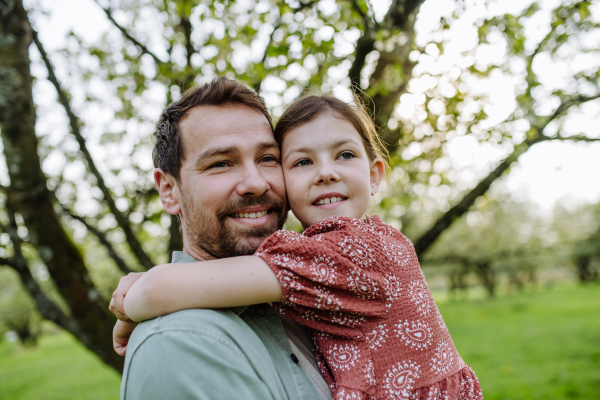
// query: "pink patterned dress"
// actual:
[[358, 287]]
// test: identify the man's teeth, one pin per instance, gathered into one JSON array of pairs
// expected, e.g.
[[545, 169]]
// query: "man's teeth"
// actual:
[[329, 200], [250, 215]]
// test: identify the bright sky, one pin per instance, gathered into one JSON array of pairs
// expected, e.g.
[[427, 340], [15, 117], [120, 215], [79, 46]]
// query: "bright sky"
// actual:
[[547, 173]]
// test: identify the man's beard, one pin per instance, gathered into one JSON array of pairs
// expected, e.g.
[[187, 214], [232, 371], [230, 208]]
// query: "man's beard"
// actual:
[[221, 237]]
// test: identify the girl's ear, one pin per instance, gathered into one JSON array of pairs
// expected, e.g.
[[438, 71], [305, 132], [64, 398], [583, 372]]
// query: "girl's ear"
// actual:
[[377, 172]]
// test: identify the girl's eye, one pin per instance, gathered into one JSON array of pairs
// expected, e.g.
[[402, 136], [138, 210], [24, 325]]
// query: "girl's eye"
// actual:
[[346, 155], [302, 163]]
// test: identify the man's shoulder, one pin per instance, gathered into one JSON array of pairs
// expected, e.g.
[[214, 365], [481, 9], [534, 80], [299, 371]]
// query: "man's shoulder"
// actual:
[[195, 321], [193, 353]]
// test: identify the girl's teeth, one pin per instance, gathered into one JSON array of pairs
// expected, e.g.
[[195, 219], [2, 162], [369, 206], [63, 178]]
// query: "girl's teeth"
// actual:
[[329, 200]]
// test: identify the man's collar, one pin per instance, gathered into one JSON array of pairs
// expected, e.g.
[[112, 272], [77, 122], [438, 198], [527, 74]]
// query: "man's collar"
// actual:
[[179, 257]]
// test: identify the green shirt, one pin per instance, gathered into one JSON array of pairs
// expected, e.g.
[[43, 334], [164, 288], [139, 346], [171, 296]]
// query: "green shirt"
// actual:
[[240, 353]]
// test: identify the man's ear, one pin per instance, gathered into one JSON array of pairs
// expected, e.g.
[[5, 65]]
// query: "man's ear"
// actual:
[[168, 190], [377, 173]]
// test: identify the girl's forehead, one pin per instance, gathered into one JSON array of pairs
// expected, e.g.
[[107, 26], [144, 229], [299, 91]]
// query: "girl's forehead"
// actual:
[[320, 132]]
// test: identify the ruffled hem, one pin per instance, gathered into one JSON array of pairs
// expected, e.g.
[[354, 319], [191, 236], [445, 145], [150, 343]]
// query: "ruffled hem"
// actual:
[[463, 385]]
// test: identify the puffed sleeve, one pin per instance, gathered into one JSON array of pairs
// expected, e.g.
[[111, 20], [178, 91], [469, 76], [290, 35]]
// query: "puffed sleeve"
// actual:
[[332, 280]]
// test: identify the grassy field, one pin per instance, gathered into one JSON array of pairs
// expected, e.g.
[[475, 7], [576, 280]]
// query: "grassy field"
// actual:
[[60, 368], [531, 346], [527, 346]]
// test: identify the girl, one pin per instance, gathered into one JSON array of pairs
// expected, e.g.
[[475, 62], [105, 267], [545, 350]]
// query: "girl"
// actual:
[[353, 280]]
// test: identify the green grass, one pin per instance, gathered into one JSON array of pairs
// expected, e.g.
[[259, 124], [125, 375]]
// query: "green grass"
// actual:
[[527, 346], [531, 346], [60, 368]]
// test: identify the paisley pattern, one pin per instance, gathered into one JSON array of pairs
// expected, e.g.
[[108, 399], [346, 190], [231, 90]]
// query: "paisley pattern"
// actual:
[[369, 372], [416, 334], [400, 379], [343, 356], [349, 394], [357, 286], [363, 285], [419, 295], [323, 270], [443, 359], [376, 336], [357, 251], [393, 288], [398, 253], [326, 301]]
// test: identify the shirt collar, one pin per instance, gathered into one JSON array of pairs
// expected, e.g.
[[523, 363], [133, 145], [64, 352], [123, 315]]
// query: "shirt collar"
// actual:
[[179, 257]]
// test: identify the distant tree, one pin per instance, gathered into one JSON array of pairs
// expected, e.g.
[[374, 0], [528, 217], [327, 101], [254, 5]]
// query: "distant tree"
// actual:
[[579, 231], [158, 49], [500, 241]]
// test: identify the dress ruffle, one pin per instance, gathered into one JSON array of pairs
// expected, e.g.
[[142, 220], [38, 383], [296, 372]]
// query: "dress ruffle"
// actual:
[[463, 385]]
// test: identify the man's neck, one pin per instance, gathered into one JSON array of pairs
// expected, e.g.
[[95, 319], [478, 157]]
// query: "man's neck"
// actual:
[[196, 251]]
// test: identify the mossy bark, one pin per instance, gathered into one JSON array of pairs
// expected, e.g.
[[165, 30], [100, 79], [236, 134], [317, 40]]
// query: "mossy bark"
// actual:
[[28, 193]]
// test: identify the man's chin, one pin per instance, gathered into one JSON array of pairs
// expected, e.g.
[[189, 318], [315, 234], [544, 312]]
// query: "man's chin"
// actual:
[[245, 239]]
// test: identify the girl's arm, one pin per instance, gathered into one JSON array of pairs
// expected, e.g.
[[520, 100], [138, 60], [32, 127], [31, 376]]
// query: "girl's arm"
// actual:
[[228, 282]]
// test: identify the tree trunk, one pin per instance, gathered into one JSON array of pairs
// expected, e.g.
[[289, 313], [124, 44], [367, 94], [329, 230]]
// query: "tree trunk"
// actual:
[[28, 194]]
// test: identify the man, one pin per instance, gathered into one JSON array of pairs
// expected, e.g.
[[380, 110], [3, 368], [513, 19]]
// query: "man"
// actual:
[[217, 168]]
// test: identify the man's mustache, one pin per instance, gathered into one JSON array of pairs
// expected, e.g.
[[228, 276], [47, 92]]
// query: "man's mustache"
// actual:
[[275, 204]]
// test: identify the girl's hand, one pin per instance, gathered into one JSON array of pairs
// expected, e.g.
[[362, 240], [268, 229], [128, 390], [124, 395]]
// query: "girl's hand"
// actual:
[[116, 303], [121, 333]]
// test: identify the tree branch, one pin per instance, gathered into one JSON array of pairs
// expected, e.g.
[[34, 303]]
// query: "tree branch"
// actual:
[[133, 242], [394, 65], [128, 36], [427, 239], [121, 264], [258, 82], [362, 14]]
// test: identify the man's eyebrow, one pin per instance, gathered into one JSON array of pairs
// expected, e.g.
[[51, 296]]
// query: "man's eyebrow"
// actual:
[[216, 151], [267, 146], [225, 151]]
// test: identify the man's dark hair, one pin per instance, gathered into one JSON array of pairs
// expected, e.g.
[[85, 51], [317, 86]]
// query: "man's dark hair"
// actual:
[[168, 144]]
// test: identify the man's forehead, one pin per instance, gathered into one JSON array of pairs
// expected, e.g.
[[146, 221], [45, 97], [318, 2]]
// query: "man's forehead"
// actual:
[[207, 126], [215, 119]]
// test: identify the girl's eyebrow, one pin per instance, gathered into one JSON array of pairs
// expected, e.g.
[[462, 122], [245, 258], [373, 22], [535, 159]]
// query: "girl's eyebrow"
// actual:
[[309, 149]]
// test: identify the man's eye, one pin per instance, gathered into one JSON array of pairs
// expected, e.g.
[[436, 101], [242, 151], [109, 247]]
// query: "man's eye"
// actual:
[[346, 155], [220, 164], [270, 159], [302, 163]]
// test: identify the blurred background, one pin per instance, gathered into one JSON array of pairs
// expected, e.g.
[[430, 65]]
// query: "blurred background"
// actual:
[[490, 111]]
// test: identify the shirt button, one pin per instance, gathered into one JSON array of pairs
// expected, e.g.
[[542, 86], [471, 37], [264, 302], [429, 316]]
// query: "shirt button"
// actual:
[[294, 358]]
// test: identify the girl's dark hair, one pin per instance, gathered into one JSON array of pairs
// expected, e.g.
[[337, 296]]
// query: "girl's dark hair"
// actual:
[[307, 108], [168, 144]]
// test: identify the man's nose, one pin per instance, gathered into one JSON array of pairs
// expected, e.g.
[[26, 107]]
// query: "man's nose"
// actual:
[[327, 172], [252, 182]]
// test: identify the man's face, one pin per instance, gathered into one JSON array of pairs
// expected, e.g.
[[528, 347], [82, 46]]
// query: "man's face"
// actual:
[[231, 184]]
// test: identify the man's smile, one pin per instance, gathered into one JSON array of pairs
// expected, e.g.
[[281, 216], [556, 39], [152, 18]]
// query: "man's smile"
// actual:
[[252, 216]]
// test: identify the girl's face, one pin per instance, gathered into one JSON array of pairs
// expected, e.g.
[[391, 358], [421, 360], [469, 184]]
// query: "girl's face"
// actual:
[[327, 170]]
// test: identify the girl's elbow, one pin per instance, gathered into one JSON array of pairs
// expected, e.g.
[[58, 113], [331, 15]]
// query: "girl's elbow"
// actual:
[[139, 302]]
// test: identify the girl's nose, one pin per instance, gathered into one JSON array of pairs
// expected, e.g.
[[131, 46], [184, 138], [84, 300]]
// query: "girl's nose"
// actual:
[[327, 173]]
